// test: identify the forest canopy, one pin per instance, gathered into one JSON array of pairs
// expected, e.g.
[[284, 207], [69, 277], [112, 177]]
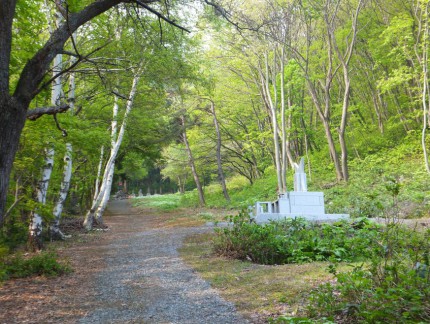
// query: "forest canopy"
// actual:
[[156, 97]]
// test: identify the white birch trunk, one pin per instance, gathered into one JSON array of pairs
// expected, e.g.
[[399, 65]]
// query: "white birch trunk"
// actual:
[[35, 228], [425, 93], [64, 190], [106, 196], [272, 105], [89, 218], [114, 130], [72, 85], [283, 126], [99, 171]]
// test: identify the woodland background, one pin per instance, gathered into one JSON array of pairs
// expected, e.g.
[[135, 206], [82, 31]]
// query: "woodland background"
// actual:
[[219, 112]]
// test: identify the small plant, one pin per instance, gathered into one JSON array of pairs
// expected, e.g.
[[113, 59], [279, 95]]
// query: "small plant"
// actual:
[[45, 264]]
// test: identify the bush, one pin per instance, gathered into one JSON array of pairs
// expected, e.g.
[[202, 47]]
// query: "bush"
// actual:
[[295, 240], [44, 263], [393, 287]]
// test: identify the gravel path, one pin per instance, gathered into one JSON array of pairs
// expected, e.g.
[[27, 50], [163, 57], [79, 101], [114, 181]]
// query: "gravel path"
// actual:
[[145, 280]]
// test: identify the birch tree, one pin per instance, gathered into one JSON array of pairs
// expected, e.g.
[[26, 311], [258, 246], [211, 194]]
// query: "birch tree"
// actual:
[[36, 221], [15, 99], [100, 202], [421, 51], [55, 231]]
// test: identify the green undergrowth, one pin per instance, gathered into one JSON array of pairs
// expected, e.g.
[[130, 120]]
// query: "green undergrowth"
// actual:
[[41, 264], [365, 194], [391, 287], [296, 240]]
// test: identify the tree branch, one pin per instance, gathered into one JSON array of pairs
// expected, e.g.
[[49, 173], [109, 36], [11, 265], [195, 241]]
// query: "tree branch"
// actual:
[[36, 113], [227, 16], [161, 16]]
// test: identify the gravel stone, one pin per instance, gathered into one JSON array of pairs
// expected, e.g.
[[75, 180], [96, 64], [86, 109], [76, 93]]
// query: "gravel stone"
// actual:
[[145, 281]]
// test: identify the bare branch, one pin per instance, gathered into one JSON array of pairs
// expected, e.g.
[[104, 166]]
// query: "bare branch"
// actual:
[[161, 16], [59, 127], [74, 64], [12, 207], [36, 113], [116, 93], [228, 15]]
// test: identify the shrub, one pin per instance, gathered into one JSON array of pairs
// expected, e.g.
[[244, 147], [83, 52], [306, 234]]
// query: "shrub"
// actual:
[[393, 287], [44, 263], [295, 240]]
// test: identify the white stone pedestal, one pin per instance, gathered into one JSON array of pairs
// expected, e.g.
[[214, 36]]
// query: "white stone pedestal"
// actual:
[[308, 205]]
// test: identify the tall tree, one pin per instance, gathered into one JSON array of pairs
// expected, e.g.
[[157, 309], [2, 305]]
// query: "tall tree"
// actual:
[[15, 100]]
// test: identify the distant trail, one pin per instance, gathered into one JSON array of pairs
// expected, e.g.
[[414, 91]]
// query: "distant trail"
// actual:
[[145, 280]]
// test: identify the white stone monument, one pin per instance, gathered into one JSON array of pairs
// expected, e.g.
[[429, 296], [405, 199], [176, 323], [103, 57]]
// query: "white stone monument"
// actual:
[[300, 182], [297, 203]]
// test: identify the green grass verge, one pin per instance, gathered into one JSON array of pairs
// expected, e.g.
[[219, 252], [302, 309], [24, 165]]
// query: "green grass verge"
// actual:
[[259, 292]]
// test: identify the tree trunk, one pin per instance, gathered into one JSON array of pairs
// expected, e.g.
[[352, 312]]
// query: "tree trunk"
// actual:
[[106, 196], [272, 106], [89, 218], [13, 109], [114, 130], [192, 164], [218, 154], [35, 228], [332, 150], [283, 125], [425, 102], [99, 171], [181, 186], [65, 184], [12, 116]]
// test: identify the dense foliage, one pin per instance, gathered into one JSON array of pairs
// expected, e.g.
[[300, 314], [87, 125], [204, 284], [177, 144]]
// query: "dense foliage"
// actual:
[[296, 240], [392, 286], [222, 113]]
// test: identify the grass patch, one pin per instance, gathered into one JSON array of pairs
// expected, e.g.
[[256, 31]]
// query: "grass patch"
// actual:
[[161, 202], [258, 291]]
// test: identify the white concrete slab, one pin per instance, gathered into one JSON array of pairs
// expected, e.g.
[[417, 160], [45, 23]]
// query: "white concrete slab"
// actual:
[[266, 217]]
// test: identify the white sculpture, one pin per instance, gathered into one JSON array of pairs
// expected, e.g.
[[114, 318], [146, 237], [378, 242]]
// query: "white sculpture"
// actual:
[[297, 203], [300, 182]]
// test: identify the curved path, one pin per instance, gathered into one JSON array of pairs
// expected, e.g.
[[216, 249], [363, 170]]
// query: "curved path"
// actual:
[[145, 280]]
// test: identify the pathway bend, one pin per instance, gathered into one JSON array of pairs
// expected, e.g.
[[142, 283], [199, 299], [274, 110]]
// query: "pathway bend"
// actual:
[[145, 280]]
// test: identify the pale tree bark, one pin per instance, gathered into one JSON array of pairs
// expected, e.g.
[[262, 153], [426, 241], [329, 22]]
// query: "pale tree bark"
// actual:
[[286, 123], [321, 99], [181, 185], [283, 124], [89, 218], [64, 190], [72, 84], [221, 176], [266, 78], [36, 225], [426, 90], [192, 163], [106, 195], [56, 98], [109, 179], [344, 59], [99, 171]]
